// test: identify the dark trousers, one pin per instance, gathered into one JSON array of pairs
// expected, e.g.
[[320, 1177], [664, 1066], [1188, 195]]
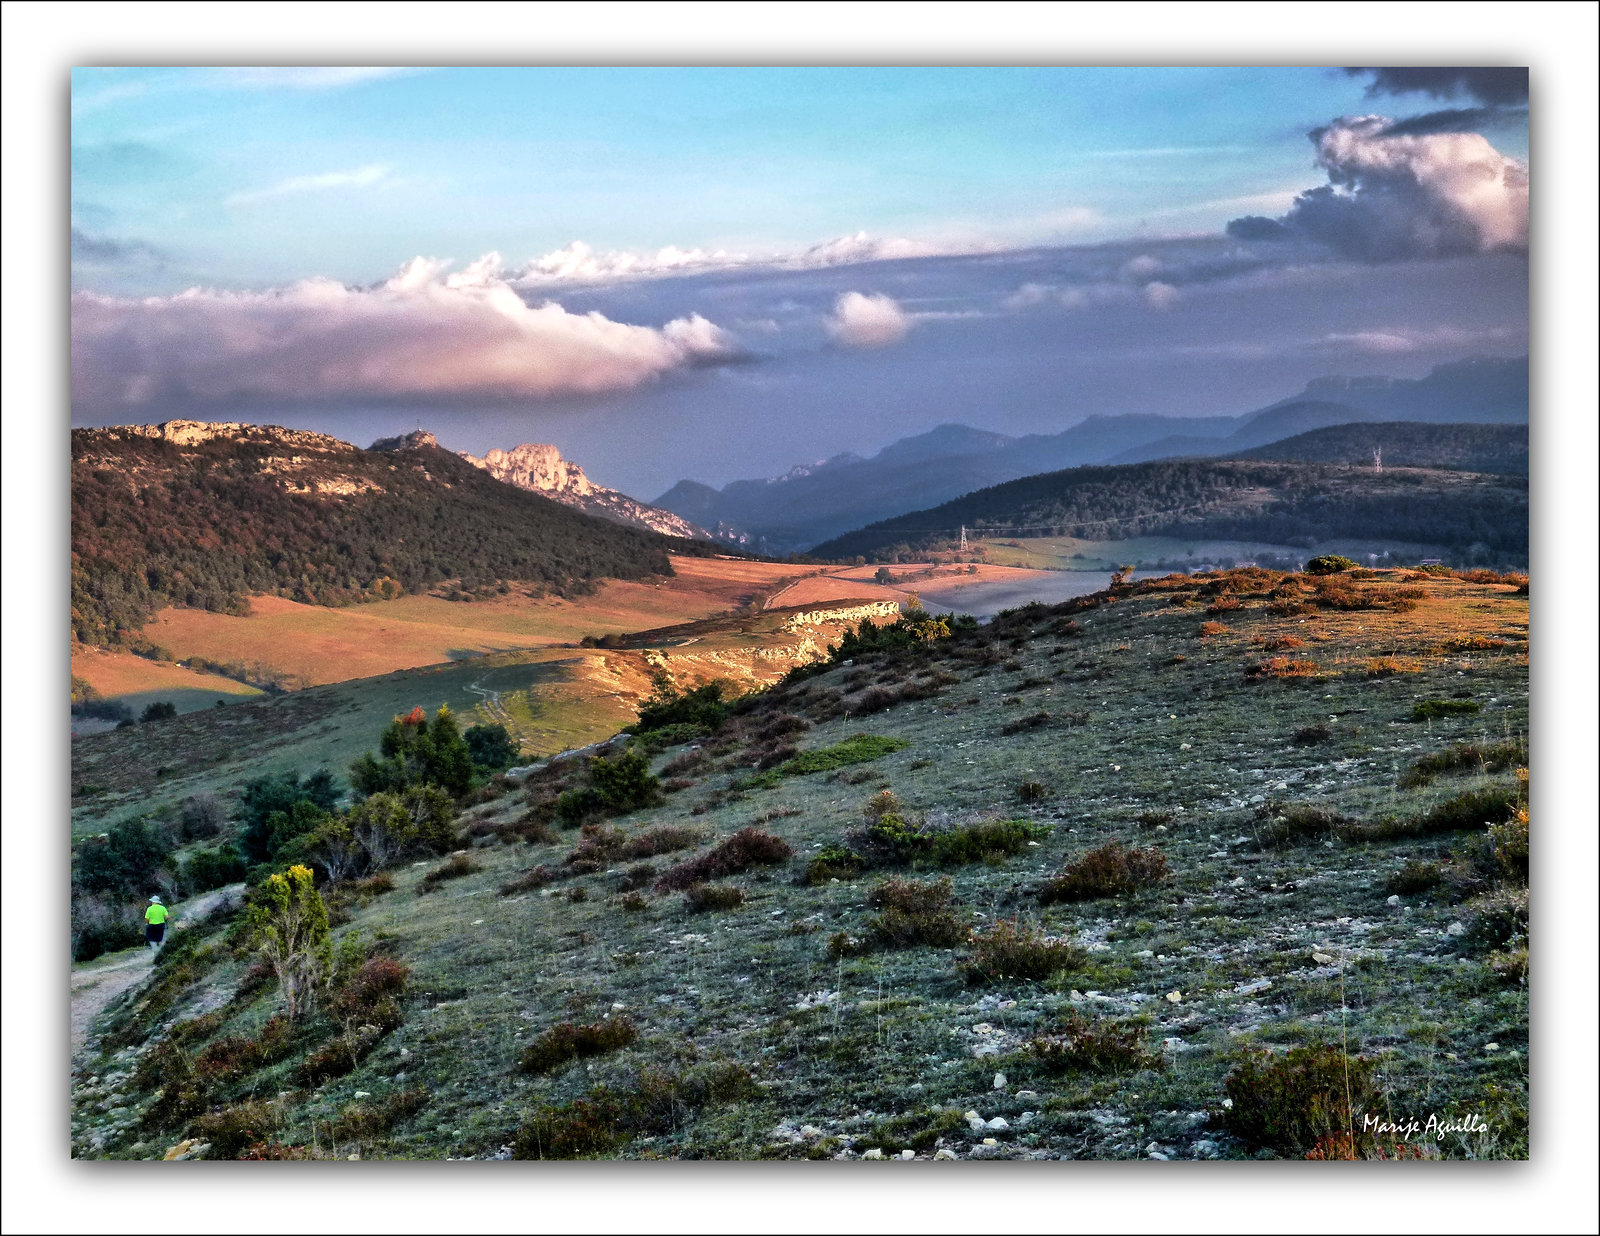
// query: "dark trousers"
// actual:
[[154, 932]]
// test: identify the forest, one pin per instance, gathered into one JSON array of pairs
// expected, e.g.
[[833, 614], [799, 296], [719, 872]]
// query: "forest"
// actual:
[[1287, 503], [204, 525]]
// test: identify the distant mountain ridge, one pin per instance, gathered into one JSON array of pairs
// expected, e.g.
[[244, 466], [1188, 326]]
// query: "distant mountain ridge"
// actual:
[[1499, 449], [813, 502], [540, 468]]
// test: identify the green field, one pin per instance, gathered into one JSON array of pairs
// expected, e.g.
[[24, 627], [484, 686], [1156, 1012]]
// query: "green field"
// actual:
[[1065, 553]]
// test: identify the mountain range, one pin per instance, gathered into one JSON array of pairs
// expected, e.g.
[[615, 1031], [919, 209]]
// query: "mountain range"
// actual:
[[812, 503]]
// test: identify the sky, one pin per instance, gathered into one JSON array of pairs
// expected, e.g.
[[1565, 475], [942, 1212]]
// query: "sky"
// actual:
[[717, 273]]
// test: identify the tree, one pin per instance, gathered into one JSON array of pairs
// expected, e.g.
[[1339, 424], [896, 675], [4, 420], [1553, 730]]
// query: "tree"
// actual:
[[413, 752], [883, 575], [161, 710], [387, 825], [263, 797], [492, 747], [289, 925]]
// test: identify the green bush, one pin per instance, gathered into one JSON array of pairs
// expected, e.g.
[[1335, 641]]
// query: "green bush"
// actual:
[[1288, 1103], [1009, 950], [492, 746], [1431, 710], [208, 869], [414, 751], [857, 749], [1329, 564], [913, 912], [703, 708]]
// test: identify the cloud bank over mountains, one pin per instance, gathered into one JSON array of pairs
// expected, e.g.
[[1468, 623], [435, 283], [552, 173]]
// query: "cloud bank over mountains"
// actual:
[[422, 333]]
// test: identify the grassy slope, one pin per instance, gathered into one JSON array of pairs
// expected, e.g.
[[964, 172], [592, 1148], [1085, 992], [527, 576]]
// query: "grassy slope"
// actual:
[[898, 1035]]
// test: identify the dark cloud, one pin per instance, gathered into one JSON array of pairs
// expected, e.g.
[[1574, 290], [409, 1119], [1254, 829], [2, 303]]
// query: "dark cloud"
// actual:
[[1396, 196], [1494, 87], [1454, 120]]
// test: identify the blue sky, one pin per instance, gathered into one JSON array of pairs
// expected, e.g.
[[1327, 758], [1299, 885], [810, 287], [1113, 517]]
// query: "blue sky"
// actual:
[[722, 272]]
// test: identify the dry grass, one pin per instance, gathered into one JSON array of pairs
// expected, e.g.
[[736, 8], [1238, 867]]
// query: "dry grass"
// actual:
[[1111, 870]]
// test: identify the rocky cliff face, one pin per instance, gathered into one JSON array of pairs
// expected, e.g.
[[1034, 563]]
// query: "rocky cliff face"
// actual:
[[539, 467]]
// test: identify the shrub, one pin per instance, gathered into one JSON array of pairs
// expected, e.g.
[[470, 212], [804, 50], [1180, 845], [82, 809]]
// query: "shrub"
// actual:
[[913, 912], [747, 848], [1281, 667], [1213, 628], [842, 944], [915, 1131], [577, 893], [857, 749], [704, 707], [233, 1129], [1386, 667], [604, 1118], [701, 898], [1508, 844], [1099, 1046], [1009, 950], [624, 783], [688, 762], [985, 841], [1329, 564], [454, 868], [1032, 722], [662, 839], [361, 1121], [634, 901], [162, 710], [1282, 643], [1112, 870], [1289, 1103], [414, 751], [1497, 921], [208, 869], [1224, 604], [834, 862], [536, 877], [1032, 791], [200, 816], [566, 1042], [1311, 735], [1430, 710], [1284, 823], [289, 924], [1469, 757], [491, 746], [1415, 877]]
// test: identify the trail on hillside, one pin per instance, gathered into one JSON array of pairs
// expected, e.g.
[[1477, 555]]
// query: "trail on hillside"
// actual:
[[93, 989]]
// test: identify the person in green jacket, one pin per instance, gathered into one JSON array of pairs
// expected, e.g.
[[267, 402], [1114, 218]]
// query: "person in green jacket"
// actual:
[[155, 922]]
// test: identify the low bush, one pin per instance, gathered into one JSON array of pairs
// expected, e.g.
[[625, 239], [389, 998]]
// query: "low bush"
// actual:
[[842, 944], [634, 901], [1508, 846], [1416, 876], [690, 761], [453, 868], [1282, 643], [1468, 757], [915, 1131], [527, 881], [985, 841], [834, 862], [1290, 1102], [1311, 735], [1032, 792], [1279, 823], [857, 749], [566, 1041], [1010, 950], [1387, 667], [1111, 870], [662, 839], [604, 1118], [912, 912], [231, 1130], [1225, 604], [365, 1120], [1213, 628], [1432, 710], [1497, 921], [1281, 667], [1475, 809], [1329, 564], [1097, 1046], [1032, 722], [702, 898], [747, 848]]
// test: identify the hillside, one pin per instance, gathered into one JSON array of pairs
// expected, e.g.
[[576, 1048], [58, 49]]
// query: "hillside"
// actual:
[[923, 947], [1407, 444], [1285, 503], [540, 469], [814, 502], [202, 515]]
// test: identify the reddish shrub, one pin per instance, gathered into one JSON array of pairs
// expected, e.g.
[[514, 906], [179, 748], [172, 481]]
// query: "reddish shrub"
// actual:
[[747, 848]]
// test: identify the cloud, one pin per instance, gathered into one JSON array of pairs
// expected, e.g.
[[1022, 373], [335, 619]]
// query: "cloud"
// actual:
[[90, 250], [1159, 295], [421, 333], [355, 177], [580, 263], [1491, 86], [867, 321], [1394, 197], [1453, 120]]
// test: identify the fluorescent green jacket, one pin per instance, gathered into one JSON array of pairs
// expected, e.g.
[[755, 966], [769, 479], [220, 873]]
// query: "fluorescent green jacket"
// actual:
[[156, 915]]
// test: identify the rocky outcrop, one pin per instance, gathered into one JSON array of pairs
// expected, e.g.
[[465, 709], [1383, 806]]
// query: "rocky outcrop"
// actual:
[[539, 467]]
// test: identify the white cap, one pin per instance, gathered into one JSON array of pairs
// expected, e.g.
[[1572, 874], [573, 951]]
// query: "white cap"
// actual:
[[157, 900]]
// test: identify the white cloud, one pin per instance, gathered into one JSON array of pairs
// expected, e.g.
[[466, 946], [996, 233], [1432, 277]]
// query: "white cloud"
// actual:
[[1159, 295], [352, 178], [579, 262], [867, 321], [305, 77], [418, 334], [1395, 196]]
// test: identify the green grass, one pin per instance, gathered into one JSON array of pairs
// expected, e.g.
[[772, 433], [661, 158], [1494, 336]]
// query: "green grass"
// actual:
[[857, 749]]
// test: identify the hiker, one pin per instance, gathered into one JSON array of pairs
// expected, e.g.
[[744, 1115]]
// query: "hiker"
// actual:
[[155, 922]]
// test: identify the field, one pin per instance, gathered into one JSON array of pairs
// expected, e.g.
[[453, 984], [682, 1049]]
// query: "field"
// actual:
[[1065, 553], [1310, 891]]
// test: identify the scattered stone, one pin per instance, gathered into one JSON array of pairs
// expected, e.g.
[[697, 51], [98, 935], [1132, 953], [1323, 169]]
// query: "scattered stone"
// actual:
[[1491, 1047], [1394, 900], [1174, 997], [908, 1154], [1027, 1094], [945, 1153], [810, 1130], [874, 1153], [989, 1141], [1000, 1123], [1255, 985], [983, 1027], [999, 1081], [1322, 959], [1456, 929], [1236, 882]]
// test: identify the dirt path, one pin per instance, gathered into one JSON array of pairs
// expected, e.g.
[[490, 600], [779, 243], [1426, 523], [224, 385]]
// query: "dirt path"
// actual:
[[97, 984]]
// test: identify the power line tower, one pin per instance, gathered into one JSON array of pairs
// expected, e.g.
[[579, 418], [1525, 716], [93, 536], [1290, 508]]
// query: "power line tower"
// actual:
[[1377, 459], [963, 536]]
